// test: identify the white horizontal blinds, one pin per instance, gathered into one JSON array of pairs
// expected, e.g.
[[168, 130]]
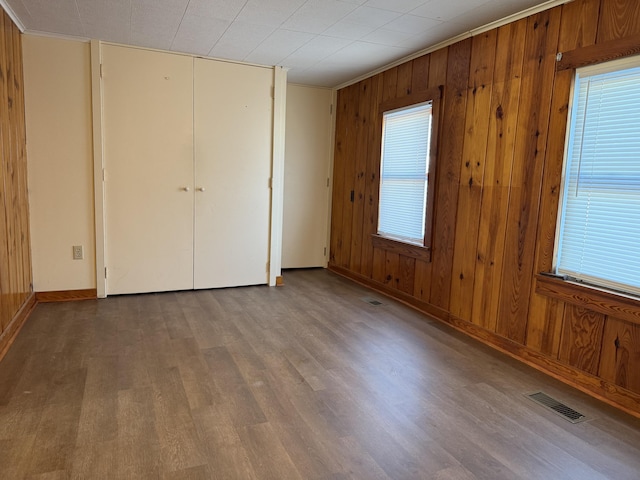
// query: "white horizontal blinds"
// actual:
[[403, 179], [600, 229]]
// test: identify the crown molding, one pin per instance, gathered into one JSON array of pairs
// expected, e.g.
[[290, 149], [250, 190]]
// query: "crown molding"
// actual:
[[38, 33], [12, 15], [470, 33]]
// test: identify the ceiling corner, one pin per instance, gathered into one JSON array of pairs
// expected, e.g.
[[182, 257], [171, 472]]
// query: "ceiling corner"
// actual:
[[7, 8]]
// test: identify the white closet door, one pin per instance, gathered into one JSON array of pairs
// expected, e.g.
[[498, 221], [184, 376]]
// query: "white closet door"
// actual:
[[233, 132], [148, 142], [306, 171]]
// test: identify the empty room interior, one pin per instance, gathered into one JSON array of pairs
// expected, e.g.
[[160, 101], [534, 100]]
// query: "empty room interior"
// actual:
[[320, 239]]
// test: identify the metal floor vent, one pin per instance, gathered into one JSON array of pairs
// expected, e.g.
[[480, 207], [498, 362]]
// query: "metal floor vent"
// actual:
[[372, 301], [555, 406]]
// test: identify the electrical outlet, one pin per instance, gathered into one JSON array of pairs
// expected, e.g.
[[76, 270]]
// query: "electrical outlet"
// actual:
[[78, 253]]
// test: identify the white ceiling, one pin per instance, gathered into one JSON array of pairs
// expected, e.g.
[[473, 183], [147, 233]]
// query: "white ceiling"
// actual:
[[322, 42]]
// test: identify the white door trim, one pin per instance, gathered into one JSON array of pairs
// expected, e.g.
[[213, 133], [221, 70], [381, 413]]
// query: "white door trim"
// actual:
[[98, 167], [277, 172]]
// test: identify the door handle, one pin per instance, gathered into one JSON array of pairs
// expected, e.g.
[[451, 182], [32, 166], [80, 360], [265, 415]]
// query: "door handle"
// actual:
[[200, 189], [185, 189]]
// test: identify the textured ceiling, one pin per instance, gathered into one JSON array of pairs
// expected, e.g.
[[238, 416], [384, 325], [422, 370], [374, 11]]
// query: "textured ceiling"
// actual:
[[322, 42]]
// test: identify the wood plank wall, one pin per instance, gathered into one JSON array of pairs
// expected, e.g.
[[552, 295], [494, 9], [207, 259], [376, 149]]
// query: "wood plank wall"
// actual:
[[16, 295], [499, 166]]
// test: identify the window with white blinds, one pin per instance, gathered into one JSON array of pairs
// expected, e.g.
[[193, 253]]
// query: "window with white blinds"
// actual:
[[598, 239], [406, 139]]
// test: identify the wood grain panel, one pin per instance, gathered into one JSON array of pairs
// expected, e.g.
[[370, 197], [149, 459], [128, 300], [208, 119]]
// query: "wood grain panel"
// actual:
[[579, 25], [531, 138], [495, 193], [372, 178], [422, 279], [390, 84], [339, 166], [379, 265], [8, 161], [618, 305], [405, 78], [620, 355], [438, 66], [20, 208], [391, 268], [341, 183], [472, 168], [349, 174], [15, 256], [582, 339], [448, 170], [420, 74], [386, 90], [385, 264], [13, 163], [618, 19], [601, 52], [437, 76], [25, 234], [6, 300], [361, 155], [577, 29], [544, 328], [406, 274]]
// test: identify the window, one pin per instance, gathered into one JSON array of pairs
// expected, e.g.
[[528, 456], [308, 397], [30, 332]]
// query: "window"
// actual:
[[598, 239], [406, 171]]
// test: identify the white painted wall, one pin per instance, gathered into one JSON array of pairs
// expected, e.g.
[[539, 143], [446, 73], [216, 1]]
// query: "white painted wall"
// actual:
[[60, 164], [307, 166], [59, 155]]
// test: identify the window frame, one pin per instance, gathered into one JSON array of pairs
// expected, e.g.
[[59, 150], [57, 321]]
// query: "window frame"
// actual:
[[433, 95], [585, 70]]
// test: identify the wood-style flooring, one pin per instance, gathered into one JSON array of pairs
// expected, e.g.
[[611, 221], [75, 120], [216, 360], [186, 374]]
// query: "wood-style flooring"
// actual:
[[307, 381]]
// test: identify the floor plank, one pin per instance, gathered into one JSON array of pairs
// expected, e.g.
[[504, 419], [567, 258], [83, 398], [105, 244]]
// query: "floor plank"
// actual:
[[307, 381]]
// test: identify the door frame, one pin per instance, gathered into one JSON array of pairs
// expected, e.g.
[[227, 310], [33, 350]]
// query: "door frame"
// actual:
[[98, 168], [277, 167]]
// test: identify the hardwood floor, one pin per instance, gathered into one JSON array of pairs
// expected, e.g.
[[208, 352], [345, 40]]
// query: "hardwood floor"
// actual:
[[306, 381]]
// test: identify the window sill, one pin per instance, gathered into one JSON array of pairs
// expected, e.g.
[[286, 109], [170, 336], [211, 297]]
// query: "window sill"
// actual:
[[402, 248], [592, 298]]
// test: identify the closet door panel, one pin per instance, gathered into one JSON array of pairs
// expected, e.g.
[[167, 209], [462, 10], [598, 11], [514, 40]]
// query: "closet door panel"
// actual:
[[306, 171], [233, 112], [148, 141]]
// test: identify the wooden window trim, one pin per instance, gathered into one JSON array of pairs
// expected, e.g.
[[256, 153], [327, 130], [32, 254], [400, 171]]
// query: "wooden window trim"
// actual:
[[401, 248], [435, 96], [624, 307], [607, 302], [601, 52]]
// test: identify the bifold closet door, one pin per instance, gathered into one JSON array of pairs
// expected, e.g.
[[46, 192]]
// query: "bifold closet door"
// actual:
[[233, 117], [148, 143]]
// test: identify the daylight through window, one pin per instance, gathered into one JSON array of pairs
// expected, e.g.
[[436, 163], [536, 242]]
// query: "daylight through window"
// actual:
[[598, 239], [404, 173]]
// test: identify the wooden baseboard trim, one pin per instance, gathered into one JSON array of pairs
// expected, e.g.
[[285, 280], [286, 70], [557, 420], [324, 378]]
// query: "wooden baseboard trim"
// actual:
[[422, 306], [67, 295], [11, 332], [279, 281], [596, 387]]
